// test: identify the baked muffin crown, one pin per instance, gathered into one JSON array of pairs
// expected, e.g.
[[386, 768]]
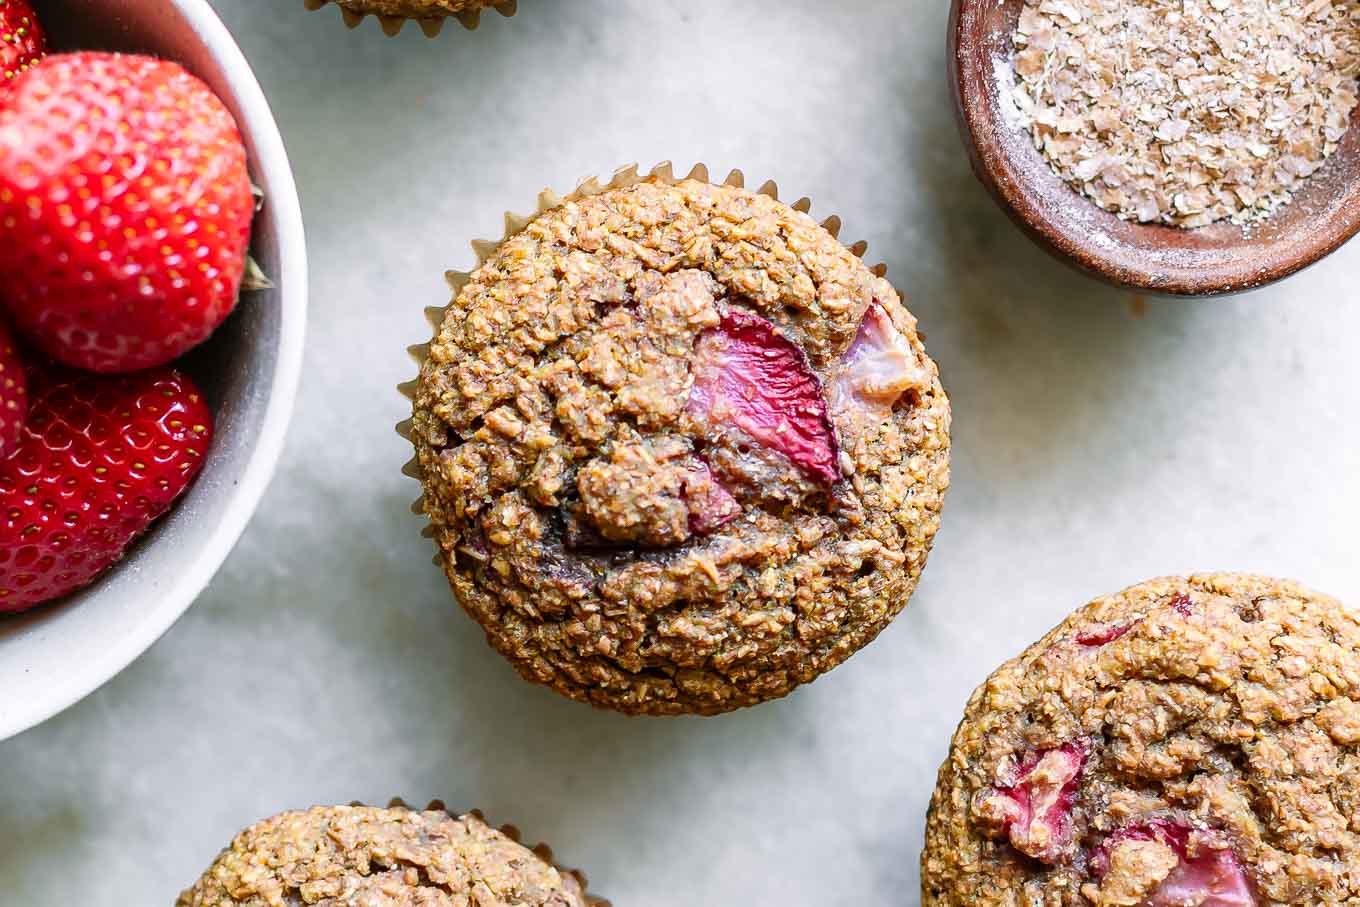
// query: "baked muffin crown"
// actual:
[[342, 855], [1188, 740], [681, 449]]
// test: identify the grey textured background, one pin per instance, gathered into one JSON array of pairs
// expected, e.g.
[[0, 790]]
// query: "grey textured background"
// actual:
[[1095, 446]]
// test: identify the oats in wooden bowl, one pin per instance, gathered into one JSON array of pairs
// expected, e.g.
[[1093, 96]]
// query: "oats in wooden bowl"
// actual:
[[1185, 148]]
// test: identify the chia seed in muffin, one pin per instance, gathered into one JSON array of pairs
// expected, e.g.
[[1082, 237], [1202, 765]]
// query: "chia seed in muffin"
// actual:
[[397, 857], [1184, 743], [681, 449]]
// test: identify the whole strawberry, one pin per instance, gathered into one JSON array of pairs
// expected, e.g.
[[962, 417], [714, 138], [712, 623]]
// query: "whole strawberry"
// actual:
[[22, 42], [13, 393], [125, 210], [100, 459]]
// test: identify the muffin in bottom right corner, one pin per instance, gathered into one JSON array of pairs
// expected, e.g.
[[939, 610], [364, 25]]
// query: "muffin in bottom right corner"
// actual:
[[1188, 742]]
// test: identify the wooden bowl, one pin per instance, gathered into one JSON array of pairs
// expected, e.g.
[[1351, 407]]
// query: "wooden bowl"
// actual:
[[1206, 261]]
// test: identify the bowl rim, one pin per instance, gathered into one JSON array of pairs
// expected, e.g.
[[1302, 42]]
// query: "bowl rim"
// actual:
[[183, 589], [968, 69]]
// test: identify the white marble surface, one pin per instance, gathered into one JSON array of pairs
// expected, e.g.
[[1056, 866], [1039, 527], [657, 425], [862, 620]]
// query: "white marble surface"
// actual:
[[1094, 447]]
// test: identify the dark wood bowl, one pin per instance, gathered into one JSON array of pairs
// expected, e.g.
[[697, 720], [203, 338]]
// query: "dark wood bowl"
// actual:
[[1170, 261]]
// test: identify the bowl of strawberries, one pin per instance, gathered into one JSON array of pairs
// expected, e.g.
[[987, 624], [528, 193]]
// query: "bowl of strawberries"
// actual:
[[152, 309]]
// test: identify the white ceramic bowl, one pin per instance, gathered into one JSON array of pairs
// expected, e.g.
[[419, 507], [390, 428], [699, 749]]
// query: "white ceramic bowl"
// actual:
[[52, 657]]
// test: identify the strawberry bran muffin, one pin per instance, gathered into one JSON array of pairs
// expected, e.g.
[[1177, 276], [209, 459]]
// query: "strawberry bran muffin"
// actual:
[[396, 857], [681, 449], [1184, 743]]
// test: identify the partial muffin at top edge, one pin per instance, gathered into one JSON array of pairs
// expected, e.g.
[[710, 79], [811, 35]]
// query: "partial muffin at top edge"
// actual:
[[417, 9], [394, 856], [1188, 742], [681, 449]]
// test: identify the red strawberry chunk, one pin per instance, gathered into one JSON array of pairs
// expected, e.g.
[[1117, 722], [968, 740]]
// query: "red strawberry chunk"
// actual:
[[748, 375], [22, 42], [1035, 812], [1208, 874], [1103, 634], [99, 459], [878, 368], [13, 393], [126, 207], [711, 506]]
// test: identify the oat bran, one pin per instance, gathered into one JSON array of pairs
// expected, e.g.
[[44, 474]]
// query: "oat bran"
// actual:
[[1187, 112]]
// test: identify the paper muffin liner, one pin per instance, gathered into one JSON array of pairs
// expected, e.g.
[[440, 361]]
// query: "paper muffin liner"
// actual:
[[432, 26], [541, 850], [484, 249]]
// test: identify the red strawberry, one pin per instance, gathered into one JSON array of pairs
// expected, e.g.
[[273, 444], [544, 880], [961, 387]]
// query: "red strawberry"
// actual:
[[13, 394], [100, 458], [22, 42], [878, 368], [1035, 812], [1103, 634], [1209, 873], [748, 375], [125, 205], [711, 506]]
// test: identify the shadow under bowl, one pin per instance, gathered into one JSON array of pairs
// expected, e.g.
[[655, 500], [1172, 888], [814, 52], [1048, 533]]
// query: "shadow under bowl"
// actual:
[[53, 656], [1206, 261]]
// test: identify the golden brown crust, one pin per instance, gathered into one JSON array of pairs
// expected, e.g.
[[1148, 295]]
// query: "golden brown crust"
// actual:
[[359, 856], [569, 352], [1222, 703]]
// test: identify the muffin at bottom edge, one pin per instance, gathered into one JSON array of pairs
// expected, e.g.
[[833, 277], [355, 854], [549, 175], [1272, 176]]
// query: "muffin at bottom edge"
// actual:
[[397, 855]]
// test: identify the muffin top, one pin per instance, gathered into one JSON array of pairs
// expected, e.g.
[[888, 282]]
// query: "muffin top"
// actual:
[[681, 449], [335, 856], [1185, 743]]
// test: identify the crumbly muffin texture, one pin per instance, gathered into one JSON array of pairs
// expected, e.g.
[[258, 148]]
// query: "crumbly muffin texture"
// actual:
[[681, 449], [358, 856], [417, 9], [1185, 743]]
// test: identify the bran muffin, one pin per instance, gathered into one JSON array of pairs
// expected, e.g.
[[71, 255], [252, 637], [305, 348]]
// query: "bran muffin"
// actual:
[[1185, 743], [348, 856], [431, 14], [681, 449]]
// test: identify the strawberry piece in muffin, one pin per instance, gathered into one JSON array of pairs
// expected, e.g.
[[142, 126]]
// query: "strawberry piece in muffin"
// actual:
[[1162, 862], [1035, 812], [748, 376]]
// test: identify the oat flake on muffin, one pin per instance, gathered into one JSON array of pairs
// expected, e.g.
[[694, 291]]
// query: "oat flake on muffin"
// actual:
[[1184, 743], [335, 856], [681, 449]]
